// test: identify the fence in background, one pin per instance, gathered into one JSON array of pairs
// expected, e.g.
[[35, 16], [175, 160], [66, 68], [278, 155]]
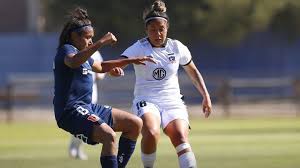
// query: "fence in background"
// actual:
[[33, 88], [231, 91], [25, 87]]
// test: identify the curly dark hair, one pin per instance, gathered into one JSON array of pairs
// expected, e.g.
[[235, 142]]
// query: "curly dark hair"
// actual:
[[76, 19]]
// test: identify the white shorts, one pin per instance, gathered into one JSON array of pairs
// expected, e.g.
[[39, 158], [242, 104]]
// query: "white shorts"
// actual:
[[167, 112]]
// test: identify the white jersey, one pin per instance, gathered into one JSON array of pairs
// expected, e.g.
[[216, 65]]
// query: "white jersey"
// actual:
[[96, 56], [158, 82]]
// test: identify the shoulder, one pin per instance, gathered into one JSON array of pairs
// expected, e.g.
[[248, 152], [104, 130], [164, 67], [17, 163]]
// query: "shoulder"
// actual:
[[143, 42], [177, 43], [179, 46], [136, 48], [140, 43], [67, 49]]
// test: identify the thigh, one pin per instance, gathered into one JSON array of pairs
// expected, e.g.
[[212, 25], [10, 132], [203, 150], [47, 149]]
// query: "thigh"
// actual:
[[80, 122], [104, 112], [123, 120], [151, 124], [172, 112], [150, 114]]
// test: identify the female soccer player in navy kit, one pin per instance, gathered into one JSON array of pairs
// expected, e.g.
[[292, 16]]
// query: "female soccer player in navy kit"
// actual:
[[73, 109], [157, 98]]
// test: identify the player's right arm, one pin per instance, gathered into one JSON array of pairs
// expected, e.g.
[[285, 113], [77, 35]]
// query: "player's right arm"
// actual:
[[118, 71], [131, 52], [107, 66], [75, 60]]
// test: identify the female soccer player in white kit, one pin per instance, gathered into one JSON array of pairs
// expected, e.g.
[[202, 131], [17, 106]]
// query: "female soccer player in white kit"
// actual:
[[157, 98], [75, 150]]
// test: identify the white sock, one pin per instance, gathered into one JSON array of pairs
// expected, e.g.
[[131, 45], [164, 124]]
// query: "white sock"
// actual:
[[75, 143], [148, 160], [187, 160]]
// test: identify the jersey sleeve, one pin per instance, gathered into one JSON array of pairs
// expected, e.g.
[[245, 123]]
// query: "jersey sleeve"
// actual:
[[133, 51], [185, 54], [91, 61], [68, 49], [97, 56], [62, 52]]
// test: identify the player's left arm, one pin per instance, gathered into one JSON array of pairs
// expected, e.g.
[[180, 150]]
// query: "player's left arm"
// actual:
[[199, 83], [118, 71], [97, 67], [100, 76], [106, 66]]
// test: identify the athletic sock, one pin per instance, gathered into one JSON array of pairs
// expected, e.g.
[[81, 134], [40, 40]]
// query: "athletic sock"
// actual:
[[109, 161], [148, 160], [75, 142], [126, 148], [187, 160]]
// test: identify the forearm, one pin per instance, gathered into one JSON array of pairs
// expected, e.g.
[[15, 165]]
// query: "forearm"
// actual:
[[197, 79], [83, 55], [106, 66], [199, 83]]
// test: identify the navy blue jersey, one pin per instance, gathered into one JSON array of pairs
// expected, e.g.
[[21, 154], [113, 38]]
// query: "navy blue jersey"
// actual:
[[73, 87]]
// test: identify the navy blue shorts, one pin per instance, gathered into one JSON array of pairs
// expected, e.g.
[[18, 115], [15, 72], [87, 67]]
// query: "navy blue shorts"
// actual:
[[80, 121]]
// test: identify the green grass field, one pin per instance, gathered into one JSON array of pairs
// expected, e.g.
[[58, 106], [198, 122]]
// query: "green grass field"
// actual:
[[251, 143]]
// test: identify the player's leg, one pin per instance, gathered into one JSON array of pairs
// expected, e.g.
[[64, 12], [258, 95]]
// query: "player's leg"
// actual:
[[178, 130], [105, 134], [93, 126], [150, 115], [97, 128], [130, 126], [150, 138], [75, 150]]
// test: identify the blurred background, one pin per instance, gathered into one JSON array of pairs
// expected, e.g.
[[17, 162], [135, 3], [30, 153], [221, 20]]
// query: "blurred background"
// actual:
[[247, 51]]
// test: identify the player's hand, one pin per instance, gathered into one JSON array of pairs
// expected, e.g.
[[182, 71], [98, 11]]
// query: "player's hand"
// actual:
[[206, 106], [109, 38], [116, 72], [142, 60]]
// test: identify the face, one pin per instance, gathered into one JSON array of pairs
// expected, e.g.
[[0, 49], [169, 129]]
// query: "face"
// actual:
[[157, 31], [82, 39]]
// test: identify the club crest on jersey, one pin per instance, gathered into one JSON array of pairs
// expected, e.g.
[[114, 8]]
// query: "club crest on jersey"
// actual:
[[159, 73], [172, 59], [86, 71]]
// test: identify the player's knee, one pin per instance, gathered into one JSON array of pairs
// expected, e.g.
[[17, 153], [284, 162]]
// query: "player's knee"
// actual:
[[104, 134], [179, 138], [152, 134], [110, 139]]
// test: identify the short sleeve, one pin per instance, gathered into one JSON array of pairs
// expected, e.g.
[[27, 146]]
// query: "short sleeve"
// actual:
[[68, 49], [91, 61], [97, 56], [185, 54], [62, 52], [133, 51]]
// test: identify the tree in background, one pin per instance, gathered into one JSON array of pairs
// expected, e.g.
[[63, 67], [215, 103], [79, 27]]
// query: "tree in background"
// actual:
[[224, 22]]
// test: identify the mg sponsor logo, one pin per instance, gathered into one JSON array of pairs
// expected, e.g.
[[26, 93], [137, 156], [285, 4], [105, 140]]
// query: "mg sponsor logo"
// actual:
[[159, 73]]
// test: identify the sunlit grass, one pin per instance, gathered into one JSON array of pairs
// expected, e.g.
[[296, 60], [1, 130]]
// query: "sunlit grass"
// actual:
[[259, 143]]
